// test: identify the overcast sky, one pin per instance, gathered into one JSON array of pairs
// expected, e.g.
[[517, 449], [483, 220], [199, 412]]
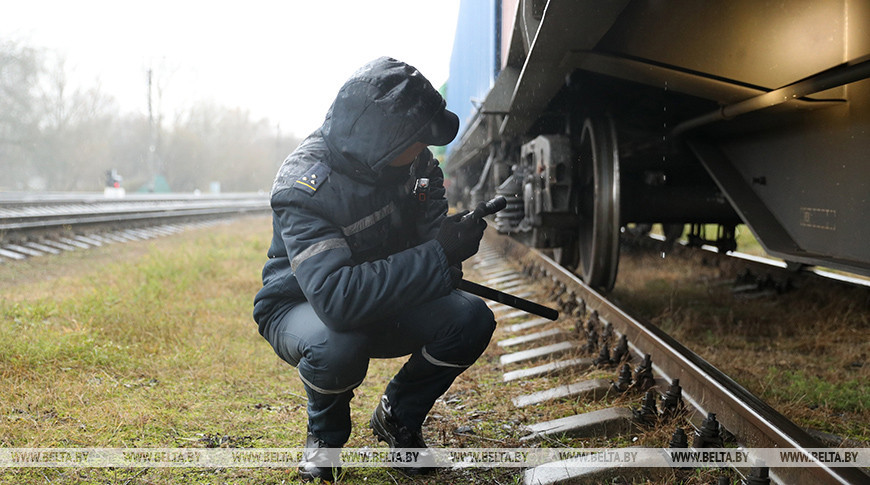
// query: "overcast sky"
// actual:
[[283, 60]]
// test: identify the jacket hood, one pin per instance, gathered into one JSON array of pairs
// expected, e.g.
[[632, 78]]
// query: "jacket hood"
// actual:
[[379, 112]]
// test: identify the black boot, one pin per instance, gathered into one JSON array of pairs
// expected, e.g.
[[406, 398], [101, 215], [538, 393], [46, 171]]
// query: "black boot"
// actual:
[[319, 460], [389, 430]]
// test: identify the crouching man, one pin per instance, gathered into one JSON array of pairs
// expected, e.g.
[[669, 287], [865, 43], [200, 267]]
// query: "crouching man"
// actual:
[[364, 263]]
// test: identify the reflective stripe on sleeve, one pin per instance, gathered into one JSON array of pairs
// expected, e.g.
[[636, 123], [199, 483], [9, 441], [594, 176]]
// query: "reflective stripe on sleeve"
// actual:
[[369, 220], [316, 249]]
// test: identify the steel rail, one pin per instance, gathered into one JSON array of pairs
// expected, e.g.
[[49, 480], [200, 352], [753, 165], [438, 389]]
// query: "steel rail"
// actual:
[[16, 199], [80, 217], [22, 217], [706, 388]]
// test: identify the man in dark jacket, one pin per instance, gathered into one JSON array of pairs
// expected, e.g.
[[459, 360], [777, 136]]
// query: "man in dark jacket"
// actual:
[[364, 262]]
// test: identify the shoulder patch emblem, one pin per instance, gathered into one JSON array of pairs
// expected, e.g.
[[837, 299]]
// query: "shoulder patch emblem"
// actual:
[[311, 180]]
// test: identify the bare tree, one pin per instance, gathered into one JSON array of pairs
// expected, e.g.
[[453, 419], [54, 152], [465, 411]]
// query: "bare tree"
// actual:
[[19, 76], [56, 136], [74, 126], [212, 143]]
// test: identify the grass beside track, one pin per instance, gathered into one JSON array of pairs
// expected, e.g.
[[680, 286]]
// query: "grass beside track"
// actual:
[[151, 344], [804, 352]]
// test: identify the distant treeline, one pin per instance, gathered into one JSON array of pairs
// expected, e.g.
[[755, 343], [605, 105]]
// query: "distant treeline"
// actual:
[[60, 138]]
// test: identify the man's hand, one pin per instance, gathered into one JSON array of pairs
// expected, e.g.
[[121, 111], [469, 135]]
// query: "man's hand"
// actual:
[[460, 238]]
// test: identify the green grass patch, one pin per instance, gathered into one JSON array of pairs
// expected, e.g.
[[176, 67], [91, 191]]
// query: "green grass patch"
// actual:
[[147, 344], [152, 344], [797, 385]]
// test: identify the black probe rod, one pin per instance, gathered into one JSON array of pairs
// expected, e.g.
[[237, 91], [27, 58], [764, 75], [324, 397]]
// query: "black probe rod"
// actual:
[[507, 299]]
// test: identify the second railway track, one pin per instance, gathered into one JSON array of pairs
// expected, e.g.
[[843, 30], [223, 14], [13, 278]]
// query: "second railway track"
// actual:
[[46, 224]]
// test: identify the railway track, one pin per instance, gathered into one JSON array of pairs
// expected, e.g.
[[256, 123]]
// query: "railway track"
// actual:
[[587, 319], [33, 226], [716, 405]]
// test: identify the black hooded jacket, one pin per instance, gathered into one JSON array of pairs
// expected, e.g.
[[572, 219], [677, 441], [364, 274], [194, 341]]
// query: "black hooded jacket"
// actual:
[[349, 236]]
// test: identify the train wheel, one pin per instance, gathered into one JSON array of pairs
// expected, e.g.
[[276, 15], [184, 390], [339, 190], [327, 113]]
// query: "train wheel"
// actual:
[[567, 255], [597, 203]]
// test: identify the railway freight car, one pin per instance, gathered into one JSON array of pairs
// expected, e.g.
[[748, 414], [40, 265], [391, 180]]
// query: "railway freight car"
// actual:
[[591, 116]]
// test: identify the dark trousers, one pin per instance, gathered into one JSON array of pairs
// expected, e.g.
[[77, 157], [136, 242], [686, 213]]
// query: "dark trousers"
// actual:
[[444, 337]]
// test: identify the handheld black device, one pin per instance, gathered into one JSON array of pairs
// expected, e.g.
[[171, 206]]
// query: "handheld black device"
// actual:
[[482, 210]]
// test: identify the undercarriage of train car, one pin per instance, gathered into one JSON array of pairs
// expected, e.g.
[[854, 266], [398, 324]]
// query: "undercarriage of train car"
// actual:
[[594, 166], [608, 118]]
